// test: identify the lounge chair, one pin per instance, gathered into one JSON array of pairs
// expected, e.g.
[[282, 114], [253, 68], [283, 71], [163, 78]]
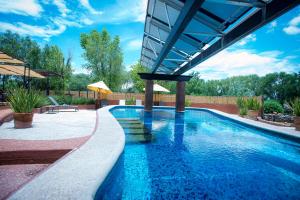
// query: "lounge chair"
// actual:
[[56, 106], [138, 102], [122, 102]]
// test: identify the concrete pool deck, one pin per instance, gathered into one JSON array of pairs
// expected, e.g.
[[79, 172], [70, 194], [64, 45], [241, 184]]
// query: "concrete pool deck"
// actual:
[[24, 153], [62, 125], [79, 174]]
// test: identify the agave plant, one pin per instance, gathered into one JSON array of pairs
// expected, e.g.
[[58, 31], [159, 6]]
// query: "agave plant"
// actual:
[[22, 100]]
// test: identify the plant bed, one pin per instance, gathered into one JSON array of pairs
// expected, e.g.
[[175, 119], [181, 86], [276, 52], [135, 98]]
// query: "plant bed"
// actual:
[[284, 124]]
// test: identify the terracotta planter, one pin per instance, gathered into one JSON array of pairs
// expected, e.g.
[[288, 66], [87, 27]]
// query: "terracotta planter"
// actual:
[[253, 114], [297, 122], [23, 120]]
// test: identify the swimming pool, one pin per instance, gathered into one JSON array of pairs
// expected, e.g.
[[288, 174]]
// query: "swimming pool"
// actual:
[[199, 155]]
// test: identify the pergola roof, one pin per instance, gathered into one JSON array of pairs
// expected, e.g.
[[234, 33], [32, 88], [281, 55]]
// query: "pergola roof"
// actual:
[[180, 34], [18, 71], [12, 66]]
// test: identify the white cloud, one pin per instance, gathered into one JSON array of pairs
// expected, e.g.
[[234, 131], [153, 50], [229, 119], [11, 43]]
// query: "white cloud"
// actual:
[[293, 27], [61, 5], [21, 7], [134, 44], [247, 39], [124, 11], [271, 27], [244, 62], [87, 5], [40, 31], [86, 21]]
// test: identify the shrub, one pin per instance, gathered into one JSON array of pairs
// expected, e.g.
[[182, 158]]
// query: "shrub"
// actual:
[[243, 111], [241, 102], [253, 104], [130, 101], [42, 100], [296, 107], [187, 103], [271, 106], [22, 100], [82, 101]]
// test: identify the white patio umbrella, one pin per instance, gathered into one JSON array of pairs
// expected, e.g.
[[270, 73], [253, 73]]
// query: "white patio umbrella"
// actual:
[[158, 88]]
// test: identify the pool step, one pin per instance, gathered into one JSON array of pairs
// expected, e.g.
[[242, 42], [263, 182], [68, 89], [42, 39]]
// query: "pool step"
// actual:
[[135, 131], [132, 125], [133, 139], [140, 131]]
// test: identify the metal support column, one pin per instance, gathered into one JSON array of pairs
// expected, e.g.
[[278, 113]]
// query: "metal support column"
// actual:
[[180, 96], [149, 95]]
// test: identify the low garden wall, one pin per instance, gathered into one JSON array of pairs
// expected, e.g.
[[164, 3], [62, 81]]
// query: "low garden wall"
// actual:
[[223, 103]]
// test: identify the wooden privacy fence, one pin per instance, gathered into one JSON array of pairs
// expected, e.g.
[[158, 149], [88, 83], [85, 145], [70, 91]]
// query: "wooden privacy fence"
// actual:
[[171, 98]]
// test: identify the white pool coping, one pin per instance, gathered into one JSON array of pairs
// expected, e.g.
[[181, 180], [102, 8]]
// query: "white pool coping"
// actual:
[[79, 174], [283, 131]]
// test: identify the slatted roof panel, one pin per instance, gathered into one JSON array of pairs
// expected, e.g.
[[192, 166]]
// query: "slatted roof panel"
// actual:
[[179, 34]]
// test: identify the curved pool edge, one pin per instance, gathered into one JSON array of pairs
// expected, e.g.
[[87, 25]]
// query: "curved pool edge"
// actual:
[[79, 174], [68, 179]]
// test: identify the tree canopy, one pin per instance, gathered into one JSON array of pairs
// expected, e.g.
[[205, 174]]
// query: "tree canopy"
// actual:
[[104, 58], [48, 58]]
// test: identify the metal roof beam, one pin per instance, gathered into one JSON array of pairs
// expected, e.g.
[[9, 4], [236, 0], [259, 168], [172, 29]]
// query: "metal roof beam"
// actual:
[[198, 44], [246, 3], [200, 17], [252, 23], [176, 51], [188, 11], [164, 77]]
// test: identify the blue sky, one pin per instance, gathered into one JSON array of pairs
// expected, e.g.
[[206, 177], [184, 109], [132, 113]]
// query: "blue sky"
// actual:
[[273, 48]]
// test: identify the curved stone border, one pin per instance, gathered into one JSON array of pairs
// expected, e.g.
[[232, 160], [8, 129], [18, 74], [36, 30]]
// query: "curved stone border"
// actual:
[[79, 174]]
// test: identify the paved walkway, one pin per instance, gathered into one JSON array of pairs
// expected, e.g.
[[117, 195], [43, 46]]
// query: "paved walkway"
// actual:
[[26, 152], [63, 125]]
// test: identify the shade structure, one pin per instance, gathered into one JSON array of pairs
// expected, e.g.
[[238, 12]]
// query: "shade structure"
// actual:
[[159, 88], [18, 71], [181, 34], [12, 66], [99, 87]]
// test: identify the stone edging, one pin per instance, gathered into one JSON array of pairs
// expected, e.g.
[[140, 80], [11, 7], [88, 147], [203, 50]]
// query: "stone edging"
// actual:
[[79, 174]]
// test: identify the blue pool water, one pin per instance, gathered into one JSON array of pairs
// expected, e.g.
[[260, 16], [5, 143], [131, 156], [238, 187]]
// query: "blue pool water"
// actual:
[[200, 155]]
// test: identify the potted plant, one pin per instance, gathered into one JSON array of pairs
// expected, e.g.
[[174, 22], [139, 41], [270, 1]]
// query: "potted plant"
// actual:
[[253, 106], [296, 110], [22, 103]]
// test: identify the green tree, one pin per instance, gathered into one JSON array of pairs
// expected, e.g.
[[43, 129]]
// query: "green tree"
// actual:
[[138, 83], [79, 81], [104, 57]]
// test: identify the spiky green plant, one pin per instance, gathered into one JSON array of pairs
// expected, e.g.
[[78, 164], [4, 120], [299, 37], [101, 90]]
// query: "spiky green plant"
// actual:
[[296, 107], [187, 103], [243, 111], [22, 100], [130, 101], [253, 104]]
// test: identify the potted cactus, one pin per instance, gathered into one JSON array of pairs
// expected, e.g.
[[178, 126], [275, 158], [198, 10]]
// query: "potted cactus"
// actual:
[[253, 106], [22, 102], [296, 110]]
